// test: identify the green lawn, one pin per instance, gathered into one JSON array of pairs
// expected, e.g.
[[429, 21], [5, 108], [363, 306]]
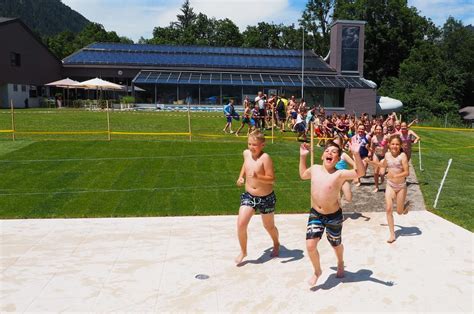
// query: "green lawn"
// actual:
[[456, 202], [84, 175]]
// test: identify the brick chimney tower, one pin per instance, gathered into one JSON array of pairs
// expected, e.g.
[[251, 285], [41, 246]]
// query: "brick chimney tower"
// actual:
[[347, 47]]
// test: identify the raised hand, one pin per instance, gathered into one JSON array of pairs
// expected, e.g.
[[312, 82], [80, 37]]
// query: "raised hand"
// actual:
[[354, 145], [304, 149]]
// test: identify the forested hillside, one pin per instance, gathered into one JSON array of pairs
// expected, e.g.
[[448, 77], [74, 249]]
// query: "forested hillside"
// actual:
[[45, 17]]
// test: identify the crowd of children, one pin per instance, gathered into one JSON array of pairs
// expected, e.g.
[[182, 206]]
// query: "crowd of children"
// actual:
[[350, 143]]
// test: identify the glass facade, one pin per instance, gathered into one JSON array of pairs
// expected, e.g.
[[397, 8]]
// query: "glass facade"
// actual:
[[232, 92], [326, 97], [221, 94], [210, 95], [350, 48]]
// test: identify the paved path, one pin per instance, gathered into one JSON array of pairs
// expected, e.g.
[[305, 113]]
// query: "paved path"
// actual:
[[364, 200], [150, 264]]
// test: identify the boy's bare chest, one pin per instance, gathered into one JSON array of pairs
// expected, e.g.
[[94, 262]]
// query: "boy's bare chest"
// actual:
[[325, 182], [252, 164]]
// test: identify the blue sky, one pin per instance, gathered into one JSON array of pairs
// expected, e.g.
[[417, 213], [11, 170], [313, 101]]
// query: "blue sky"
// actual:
[[136, 18]]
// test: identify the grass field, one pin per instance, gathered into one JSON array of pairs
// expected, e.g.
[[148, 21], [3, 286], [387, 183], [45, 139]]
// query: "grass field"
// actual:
[[84, 175]]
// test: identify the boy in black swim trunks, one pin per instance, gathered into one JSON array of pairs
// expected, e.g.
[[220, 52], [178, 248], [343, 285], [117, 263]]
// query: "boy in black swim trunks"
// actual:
[[258, 175], [326, 213]]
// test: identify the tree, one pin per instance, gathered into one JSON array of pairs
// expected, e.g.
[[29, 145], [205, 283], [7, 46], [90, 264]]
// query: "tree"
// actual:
[[184, 24], [165, 36], [315, 19], [426, 84], [264, 35], [458, 47], [61, 44], [203, 30], [391, 32], [226, 34], [437, 77], [67, 43], [290, 37], [186, 19]]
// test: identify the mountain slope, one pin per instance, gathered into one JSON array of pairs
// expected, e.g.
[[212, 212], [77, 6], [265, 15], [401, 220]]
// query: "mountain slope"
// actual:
[[46, 17]]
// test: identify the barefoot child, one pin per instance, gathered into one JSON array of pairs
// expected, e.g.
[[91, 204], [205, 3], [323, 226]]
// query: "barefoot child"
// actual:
[[396, 162], [326, 185], [258, 175]]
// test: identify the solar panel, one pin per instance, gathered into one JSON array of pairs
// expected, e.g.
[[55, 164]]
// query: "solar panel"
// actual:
[[193, 49], [196, 60], [247, 79]]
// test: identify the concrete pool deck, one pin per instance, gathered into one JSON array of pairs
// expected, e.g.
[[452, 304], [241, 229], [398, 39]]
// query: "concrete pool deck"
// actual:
[[150, 264]]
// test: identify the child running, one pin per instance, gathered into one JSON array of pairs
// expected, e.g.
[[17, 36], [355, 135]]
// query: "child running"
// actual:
[[325, 212], [258, 175], [245, 118], [396, 162]]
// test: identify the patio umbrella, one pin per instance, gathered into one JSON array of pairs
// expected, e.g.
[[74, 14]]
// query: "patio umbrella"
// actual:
[[66, 83], [99, 84]]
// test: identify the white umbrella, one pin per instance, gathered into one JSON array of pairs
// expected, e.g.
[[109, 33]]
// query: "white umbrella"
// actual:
[[99, 84], [64, 83]]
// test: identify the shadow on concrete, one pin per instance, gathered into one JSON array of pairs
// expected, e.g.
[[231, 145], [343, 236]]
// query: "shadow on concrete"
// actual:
[[354, 216], [405, 231], [360, 275], [292, 255]]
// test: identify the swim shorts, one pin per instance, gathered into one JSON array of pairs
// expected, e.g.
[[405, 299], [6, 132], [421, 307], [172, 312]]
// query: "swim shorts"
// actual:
[[264, 204], [317, 222]]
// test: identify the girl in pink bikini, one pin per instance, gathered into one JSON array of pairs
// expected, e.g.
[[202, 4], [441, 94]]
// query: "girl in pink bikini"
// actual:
[[408, 137], [396, 162], [378, 148]]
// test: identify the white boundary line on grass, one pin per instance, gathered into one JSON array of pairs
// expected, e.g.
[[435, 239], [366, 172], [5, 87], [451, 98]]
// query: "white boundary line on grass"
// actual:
[[200, 187], [128, 158], [115, 158]]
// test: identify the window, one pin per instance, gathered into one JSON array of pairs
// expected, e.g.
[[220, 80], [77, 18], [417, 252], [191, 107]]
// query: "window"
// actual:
[[23, 88], [33, 92], [15, 59], [350, 49], [15, 87]]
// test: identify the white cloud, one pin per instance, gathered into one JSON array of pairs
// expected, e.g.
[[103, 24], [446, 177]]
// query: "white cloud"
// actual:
[[439, 10], [137, 18]]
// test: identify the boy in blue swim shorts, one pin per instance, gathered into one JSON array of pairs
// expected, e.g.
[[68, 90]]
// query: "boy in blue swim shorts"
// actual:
[[325, 212], [258, 175]]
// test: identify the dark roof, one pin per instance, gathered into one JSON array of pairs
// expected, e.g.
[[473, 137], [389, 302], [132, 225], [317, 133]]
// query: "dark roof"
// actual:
[[197, 57], [248, 79]]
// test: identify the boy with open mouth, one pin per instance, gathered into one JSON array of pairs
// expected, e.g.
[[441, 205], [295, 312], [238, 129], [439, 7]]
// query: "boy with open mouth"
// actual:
[[326, 212]]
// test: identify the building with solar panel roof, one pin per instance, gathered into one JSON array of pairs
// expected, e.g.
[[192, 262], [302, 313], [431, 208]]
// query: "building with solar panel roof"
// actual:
[[212, 75]]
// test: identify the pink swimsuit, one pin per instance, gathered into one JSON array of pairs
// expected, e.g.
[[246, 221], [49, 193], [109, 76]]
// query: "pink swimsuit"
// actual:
[[397, 164]]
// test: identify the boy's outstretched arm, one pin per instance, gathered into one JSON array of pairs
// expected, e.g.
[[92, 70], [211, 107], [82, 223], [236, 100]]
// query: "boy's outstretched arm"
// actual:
[[305, 173], [240, 179]]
